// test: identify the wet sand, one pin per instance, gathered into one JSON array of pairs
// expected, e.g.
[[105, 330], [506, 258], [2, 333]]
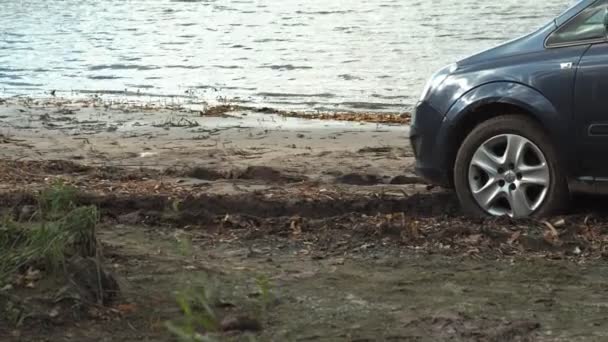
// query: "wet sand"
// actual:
[[127, 136]]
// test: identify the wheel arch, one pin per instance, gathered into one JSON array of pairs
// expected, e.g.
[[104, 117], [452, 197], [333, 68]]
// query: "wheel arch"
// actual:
[[495, 99]]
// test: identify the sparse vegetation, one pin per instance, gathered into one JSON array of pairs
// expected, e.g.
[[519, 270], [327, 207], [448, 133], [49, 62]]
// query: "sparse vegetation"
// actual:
[[56, 230], [212, 307], [54, 242], [209, 306], [199, 316]]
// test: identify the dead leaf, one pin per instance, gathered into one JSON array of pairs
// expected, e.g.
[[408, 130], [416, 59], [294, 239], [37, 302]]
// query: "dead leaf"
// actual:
[[473, 239], [551, 235], [514, 237], [296, 226], [54, 312], [472, 251], [126, 308], [410, 227], [559, 223], [33, 274]]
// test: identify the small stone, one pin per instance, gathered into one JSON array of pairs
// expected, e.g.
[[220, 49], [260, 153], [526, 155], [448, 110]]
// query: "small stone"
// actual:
[[54, 312]]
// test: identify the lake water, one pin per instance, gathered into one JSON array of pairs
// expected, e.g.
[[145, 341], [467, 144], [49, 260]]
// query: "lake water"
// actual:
[[372, 55]]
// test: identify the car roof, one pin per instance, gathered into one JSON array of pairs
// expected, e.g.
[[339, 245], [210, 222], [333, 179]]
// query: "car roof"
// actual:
[[572, 11]]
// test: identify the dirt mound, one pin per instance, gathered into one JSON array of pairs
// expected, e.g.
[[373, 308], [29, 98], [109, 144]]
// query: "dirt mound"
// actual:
[[259, 173], [429, 220], [200, 207]]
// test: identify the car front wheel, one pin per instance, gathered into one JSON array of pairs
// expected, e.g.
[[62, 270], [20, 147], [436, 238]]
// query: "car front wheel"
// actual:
[[507, 166]]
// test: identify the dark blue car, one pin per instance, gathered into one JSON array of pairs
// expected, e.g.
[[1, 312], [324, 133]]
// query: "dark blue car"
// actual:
[[515, 128]]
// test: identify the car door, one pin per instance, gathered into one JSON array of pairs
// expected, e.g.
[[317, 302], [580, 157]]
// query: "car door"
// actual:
[[590, 101], [591, 111]]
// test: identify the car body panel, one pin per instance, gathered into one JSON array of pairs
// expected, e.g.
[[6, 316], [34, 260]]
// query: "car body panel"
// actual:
[[428, 149], [535, 81], [523, 61], [591, 103]]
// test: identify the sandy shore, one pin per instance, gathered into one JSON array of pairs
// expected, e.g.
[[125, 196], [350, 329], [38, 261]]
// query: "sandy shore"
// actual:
[[128, 136]]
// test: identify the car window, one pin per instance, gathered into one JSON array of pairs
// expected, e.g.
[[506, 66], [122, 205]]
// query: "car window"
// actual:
[[587, 25]]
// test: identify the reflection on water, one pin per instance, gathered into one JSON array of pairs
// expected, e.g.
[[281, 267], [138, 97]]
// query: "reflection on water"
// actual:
[[349, 55]]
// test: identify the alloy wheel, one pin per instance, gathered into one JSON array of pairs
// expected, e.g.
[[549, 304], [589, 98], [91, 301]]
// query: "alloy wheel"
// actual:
[[509, 175]]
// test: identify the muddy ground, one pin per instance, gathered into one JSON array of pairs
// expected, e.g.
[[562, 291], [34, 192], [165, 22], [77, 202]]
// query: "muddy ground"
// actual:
[[350, 245]]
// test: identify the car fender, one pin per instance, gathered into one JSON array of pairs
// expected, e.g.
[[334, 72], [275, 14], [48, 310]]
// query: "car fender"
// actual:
[[523, 96]]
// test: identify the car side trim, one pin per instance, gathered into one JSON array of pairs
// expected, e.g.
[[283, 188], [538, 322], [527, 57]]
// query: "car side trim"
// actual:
[[581, 42]]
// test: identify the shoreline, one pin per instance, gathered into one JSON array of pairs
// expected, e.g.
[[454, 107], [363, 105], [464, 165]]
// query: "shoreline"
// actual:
[[218, 137], [136, 100]]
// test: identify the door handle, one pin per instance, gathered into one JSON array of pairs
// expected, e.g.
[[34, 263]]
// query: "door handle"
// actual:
[[565, 66]]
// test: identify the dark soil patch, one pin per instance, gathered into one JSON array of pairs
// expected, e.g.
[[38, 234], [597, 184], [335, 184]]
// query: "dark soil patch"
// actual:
[[359, 179], [257, 173], [258, 205], [53, 166], [383, 149], [404, 180], [268, 174], [204, 174]]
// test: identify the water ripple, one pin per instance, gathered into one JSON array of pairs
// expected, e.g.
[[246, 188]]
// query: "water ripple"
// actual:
[[358, 55]]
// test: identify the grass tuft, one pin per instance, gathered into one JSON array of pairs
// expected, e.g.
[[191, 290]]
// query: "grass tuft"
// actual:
[[62, 231]]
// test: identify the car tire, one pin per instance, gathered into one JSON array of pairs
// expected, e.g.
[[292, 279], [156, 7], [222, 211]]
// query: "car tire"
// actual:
[[470, 181]]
